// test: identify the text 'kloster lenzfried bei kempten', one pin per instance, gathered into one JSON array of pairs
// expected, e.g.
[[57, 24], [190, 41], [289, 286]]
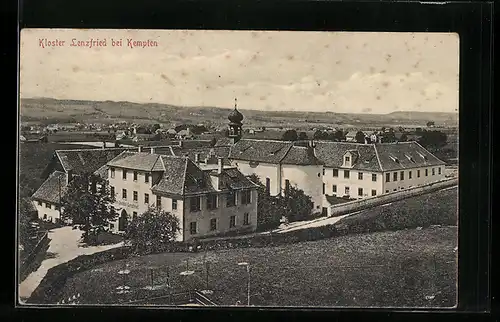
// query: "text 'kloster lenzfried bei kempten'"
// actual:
[[95, 42]]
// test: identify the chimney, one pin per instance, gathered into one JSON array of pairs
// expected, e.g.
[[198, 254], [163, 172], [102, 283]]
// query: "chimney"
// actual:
[[197, 158], [139, 148], [220, 165], [69, 176], [180, 143], [311, 143], [103, 144], [152, 150]]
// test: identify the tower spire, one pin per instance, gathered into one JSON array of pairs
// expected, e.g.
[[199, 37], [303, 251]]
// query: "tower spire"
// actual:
[[235, 102]]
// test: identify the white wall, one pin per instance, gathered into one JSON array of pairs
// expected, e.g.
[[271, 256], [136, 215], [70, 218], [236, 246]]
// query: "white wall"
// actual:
[[49, 214], [222, 214], [263, 171], [415, 181], [354, 183], [307, 178]]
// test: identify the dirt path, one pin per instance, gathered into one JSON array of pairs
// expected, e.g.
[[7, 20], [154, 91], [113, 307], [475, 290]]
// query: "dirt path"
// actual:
[[64, 246]]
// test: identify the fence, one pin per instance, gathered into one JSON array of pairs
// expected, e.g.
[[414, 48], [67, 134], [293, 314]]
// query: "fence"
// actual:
[[28, 260], [351, 206], [189, 297]]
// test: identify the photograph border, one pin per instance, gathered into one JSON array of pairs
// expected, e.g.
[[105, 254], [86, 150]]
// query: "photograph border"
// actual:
[[472, 21]]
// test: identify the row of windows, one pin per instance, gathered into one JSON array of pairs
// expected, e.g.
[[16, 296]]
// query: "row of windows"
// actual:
[[47, 205], [347, 174], [195, 202], [410, 173], [212, 200], [134, 173], [347, 191], [193, 227]]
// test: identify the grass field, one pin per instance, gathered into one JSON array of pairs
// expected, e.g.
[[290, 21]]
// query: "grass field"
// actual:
[[401, 268], [33, 158]]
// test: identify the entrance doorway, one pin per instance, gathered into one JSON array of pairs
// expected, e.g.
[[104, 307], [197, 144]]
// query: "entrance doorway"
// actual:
[[122, 221]]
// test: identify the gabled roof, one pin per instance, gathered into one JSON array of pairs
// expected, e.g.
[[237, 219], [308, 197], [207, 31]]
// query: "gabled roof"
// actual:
[[233, 179], [267, 151], [404, 155], [300, 155], [172, 180], [204, 153], [52, 189], [332, 154], [87, 160], [137, 161]]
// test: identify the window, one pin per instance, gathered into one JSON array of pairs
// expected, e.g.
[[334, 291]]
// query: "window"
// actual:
[[346, 191], [402, 175], [47, 205], [211, 202], [245, 197], [112, 191], [135, 175], [192, 228], [433, 171], [93, 187], [346, 174], [323, 188], [334, 188], [158, 201], [360, 175], [323, 171], [40, 203], [347, 159], [387, 177], [418, 173], [174, 204], [439, 170], [135, 196], [374, 192], [409, 174], [232, 221], [146, 198], [134, 215], [335, 173], [146, 178], [374, 177], [426, 172], [395, 176], [44, 216], [194, 204], [268, 185], [394, 189], [213, 224], [246, 219], [124, 193], [230, 199], [112, 173], [360, 192], [387, 191], [124, 174]]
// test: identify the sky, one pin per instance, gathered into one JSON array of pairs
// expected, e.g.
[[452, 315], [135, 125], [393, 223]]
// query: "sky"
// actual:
[[344, 72]]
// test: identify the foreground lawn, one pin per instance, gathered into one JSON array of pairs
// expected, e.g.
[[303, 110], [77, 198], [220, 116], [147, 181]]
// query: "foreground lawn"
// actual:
[[415, 268]]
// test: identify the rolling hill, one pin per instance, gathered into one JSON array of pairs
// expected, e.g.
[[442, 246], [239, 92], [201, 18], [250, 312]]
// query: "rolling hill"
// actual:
[[48, 110]]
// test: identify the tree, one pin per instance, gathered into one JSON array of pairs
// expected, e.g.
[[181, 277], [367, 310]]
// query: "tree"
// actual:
[[213, 142], [403, 138], [360, 137], [339, 136], [433, 139], [87, 203], [25, 228], [430, 123], [290, 135], [302, 136], [320, 135], [153, 230], [296, 204], [155, 127]]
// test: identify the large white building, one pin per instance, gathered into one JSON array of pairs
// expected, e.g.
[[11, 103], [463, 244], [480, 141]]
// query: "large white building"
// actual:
[[207, 188]]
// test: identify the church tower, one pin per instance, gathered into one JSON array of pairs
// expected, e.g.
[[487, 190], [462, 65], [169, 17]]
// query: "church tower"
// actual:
[[235, 118]]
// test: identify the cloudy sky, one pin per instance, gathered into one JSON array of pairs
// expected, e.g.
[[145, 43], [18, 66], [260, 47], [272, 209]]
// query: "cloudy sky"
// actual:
[[300, 71]]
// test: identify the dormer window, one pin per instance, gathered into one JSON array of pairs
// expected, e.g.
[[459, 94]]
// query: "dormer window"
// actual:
[[347, 159], [393, 158], [410, 158]]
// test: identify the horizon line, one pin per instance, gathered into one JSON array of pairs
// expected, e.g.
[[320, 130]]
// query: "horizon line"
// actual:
[[229, 108]]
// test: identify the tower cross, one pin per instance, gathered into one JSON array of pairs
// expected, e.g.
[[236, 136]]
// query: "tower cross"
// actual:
[[235, 102]]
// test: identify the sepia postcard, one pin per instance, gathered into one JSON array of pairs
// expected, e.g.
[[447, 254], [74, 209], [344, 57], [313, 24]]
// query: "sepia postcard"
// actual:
[[238, 168]]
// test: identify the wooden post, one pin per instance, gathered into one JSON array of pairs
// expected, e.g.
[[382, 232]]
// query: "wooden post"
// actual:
[[168, 276]]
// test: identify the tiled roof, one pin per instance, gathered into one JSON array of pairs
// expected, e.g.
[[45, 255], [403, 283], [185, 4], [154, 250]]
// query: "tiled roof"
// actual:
[[172, 180], [189, 144], [260, 150], [51, 188], [232, 178], [87, 160], [224, 142], [204, 153], [300, 155], [138, 161], [332, 153], [404, 155]]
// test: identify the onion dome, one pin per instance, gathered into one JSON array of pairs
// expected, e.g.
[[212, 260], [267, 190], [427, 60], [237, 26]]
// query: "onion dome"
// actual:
[[235, 116]]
